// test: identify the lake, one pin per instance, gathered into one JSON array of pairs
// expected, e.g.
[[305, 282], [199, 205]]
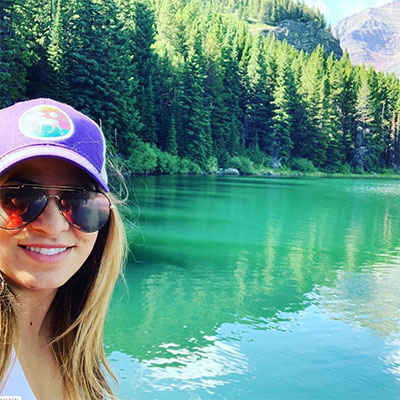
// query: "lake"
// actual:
[[259, 288]]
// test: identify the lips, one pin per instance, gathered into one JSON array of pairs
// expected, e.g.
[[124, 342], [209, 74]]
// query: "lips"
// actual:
[[45, 254], [46, 251]]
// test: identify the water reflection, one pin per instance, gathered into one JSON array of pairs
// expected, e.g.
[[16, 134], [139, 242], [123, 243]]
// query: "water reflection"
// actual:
[[370, 300], [247, 285]]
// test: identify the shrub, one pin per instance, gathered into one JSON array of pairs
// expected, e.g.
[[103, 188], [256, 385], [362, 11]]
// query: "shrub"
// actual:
[[212, 165], [167, 163], [345, 169], [257, 156], [302, 165], [358, 170], [188, 167], [223, 158], [243, 165], [143, 158], [388, 171]]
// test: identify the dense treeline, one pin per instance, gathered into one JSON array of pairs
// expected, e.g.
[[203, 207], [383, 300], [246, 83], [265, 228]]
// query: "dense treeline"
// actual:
[[183, 85], [271, 11]]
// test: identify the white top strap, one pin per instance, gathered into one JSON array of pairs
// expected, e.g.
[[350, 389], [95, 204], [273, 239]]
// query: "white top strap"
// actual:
[[16, 386]]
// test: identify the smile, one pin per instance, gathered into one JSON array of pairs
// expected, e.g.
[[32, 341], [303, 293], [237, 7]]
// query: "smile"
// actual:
[[47, 251]]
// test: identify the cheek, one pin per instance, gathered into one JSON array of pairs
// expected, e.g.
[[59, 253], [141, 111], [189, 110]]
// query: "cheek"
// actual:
[[6, 246], [86, 243], [9, 254]]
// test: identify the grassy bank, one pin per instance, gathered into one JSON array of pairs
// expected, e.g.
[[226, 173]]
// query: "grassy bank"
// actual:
[[322, 174], [147, 159]]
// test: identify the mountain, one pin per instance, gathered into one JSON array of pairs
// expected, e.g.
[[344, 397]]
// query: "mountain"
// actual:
[[292, 21], [305, 35], [372, 37]]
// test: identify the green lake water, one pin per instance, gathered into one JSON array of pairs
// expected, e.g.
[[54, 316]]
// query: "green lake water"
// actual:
[[259, 288]]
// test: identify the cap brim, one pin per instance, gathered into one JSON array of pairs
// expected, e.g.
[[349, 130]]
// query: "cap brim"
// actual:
[[35, 151]]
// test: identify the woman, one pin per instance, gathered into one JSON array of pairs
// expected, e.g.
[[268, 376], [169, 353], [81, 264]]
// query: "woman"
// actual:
[[62, 244]]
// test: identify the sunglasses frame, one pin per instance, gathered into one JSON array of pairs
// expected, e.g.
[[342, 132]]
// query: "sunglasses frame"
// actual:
[[60, 188]]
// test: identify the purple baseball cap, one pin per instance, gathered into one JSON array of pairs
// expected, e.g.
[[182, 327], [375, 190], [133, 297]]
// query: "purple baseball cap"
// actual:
[[47, 128]]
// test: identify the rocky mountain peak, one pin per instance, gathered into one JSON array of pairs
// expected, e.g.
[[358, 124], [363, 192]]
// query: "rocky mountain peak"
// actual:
[[372, 37]]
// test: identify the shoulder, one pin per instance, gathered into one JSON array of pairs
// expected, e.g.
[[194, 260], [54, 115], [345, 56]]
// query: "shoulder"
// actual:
[[15, 383]]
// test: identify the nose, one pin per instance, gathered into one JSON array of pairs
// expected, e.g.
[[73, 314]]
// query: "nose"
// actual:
[[50, 222]]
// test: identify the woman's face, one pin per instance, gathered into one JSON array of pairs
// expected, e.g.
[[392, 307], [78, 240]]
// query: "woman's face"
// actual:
[[44, 254]]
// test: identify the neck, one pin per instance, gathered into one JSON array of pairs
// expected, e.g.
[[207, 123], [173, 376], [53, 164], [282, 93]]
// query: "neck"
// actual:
[[32, 312]]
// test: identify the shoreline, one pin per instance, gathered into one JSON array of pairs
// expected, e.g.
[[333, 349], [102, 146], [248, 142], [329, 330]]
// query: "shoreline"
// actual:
[[284, 174]]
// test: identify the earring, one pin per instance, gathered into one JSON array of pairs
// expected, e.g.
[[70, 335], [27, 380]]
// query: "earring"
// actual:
[[2, 284]]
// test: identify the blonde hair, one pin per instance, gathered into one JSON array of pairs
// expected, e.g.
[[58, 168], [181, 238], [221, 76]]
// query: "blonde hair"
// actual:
[[78, 312]]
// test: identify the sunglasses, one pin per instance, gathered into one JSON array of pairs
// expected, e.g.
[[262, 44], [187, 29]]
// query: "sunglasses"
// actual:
[[86, 210]]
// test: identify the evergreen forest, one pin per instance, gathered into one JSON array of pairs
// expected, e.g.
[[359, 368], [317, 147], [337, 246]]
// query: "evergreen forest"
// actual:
[[190, 86]]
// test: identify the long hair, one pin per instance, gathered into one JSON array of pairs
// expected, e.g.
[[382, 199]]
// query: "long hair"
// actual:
[[8, 328], [78, 313]]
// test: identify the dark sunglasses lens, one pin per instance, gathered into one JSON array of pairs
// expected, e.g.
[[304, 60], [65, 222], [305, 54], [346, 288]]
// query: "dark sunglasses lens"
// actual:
[[87, 211], [19, 206]]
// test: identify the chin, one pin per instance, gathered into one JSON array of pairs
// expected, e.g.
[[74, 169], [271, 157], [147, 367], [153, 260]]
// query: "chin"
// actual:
[[36, 284]]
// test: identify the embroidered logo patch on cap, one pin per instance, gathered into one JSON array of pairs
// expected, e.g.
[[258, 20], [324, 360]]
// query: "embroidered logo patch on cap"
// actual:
[[46, 122]]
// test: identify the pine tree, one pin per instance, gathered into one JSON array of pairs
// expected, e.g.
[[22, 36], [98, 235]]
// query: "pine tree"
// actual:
[[102, 86], [282, 122], [347, 106], [223, 89], [171, 145], [167, 36], [14, 58], [142, 40], [57, 80], [389, 86], [298, 111], [234, 91], [315, 141], [377, 108], [332, 116], [35, 29], [363, 156], [258, 100], [165, 101], [194, 140]]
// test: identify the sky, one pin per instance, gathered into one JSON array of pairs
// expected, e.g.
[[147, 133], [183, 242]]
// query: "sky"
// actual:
[[335, 10]]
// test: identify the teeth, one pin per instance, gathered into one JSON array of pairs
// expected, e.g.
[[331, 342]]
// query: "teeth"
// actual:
[[45, 251]]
